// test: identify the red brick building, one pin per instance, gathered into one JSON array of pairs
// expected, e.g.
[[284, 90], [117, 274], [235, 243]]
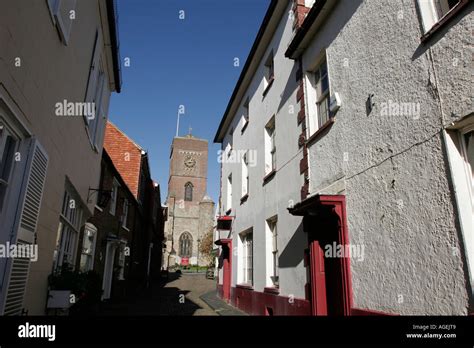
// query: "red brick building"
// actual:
[[128, 218]]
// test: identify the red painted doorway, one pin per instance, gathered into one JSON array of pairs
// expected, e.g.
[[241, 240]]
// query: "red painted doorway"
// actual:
[[329, 275], [226, 267]]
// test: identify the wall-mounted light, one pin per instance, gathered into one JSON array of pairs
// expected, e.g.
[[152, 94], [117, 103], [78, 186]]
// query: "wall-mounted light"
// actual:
[[103, 198]]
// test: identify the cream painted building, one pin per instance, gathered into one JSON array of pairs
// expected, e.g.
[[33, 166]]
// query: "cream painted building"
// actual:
[[52, 53]]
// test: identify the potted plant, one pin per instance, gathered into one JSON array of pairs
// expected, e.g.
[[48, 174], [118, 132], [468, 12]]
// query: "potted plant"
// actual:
[[68, 287], [63, 284]]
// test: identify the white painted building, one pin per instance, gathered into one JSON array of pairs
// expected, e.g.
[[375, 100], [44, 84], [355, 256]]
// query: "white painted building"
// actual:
[[260, 178], [373, 120]]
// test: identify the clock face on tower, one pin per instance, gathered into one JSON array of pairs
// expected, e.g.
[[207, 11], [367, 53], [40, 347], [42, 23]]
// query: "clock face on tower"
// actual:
[[189, 161]]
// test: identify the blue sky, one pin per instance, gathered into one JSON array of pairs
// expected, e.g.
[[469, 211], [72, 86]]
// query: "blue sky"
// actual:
[[176, 62]]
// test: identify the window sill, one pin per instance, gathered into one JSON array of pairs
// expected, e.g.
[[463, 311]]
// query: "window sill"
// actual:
[[244, 286], [244, 198], [269, 176], [316, 134], [271, 290], [269, 85], [444, 20]]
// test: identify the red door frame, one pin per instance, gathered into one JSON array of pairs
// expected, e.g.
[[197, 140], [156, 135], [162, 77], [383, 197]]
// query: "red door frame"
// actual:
[[318, 288], [318, 283], [227, 269]]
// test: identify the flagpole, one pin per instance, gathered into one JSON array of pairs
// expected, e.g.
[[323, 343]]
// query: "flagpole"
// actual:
[[177, 125]]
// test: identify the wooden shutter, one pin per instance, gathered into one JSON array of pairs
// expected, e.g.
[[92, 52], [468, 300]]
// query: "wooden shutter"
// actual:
[[62, 15], [94, 68], [25, 225]]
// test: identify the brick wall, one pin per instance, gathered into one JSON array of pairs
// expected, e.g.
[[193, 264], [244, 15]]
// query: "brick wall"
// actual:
[[300, 11], [180, 174], [106, 223]]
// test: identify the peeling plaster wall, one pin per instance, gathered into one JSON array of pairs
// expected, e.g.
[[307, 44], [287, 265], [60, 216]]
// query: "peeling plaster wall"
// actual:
[[399, 202]]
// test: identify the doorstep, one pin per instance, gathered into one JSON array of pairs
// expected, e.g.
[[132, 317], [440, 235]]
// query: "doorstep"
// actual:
[[220, 306]]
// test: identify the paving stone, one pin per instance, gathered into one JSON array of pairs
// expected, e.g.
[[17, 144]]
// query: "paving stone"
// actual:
[[180, 295]]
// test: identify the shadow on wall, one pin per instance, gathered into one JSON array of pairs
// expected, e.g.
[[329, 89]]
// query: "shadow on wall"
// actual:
[[293, 253], [290, 87], [334, 27], [439, 34]]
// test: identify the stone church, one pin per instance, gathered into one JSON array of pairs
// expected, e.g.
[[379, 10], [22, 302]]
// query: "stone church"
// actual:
[[190, 210]]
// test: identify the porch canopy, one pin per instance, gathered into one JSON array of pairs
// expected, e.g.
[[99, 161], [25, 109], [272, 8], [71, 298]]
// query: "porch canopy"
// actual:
[[224, 226], [312, 205]]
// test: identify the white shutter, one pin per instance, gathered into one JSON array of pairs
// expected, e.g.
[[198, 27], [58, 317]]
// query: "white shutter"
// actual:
[[25, 225], [428, 14], [62, 15], [94, 69], [16, 287], [95, 124]]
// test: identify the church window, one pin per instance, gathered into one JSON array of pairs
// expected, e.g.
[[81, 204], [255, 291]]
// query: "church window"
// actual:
[[188, 192], [185, 245]]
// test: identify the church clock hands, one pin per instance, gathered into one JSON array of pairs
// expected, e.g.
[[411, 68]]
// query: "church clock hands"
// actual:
[[189, 161]]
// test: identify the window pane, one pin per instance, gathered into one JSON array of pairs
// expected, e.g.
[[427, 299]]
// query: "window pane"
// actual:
[[7, 150], [323, 111], [444, 6], [324, 84], [324, 69], [317, 77], [65, 203], [319, 91], [6, 156], [188, 192], [87, 250]]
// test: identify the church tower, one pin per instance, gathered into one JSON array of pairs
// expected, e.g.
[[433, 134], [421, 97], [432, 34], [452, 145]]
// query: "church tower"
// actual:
[[190, 210]]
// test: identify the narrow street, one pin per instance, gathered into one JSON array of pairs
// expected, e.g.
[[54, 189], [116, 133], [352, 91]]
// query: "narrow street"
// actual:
[[179, 296]]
